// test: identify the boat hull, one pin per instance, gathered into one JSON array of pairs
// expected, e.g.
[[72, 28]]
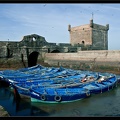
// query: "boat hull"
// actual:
[[103, 86], [59, 95]]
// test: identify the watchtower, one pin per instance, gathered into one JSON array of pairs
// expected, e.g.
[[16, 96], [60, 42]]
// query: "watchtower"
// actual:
[[92, 35]]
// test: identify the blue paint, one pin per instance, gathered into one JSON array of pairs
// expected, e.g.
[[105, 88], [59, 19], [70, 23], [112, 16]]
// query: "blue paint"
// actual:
[[105, 104]]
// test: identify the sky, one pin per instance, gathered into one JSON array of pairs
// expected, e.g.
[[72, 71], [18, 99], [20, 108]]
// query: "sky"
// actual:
[[51, 20]]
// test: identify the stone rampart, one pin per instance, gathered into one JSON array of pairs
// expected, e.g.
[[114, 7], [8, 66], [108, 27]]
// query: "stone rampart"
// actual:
[[109, 57]]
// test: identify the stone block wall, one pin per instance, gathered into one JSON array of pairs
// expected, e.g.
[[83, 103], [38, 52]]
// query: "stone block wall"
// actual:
[[111, 58], [100, 36], [92, 34], [81, 35]]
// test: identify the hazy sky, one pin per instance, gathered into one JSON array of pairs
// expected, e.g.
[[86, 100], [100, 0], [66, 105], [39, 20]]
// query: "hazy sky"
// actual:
[[51, 20]]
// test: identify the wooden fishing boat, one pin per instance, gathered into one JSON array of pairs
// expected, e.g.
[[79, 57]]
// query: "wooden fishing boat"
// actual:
[[58, 95], [24, 75], [23, 87], [19, 74], [66, 82], [102, 85], [53, 95]]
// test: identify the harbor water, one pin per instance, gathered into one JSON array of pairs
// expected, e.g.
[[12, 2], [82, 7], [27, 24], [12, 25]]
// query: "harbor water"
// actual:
[[99, 105]]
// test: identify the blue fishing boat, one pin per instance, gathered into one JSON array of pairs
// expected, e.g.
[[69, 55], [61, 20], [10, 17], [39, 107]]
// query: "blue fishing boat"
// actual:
[[43, 78], [21, 73], [66, 82], [47, 91], [102, 85], [23, 87], [25, 74], [58, 95], [34, 74], [53, 95]]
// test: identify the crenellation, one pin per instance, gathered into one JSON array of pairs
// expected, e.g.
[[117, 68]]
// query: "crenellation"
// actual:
[[86, 44], [91, 34]]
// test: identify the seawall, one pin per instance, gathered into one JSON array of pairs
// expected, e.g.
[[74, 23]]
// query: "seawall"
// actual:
[[96, 57]]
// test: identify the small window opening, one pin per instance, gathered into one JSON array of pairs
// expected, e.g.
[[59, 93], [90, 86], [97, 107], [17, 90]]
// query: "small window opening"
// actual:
[[83, 42], [34, 39]]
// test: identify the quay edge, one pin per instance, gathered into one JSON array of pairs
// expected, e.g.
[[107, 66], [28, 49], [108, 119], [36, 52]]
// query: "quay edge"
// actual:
[[3, 112]]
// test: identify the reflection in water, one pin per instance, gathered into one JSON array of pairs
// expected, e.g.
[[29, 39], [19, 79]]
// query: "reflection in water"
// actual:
[[23, 104], [105, 104], [36, 111], [4, 93]]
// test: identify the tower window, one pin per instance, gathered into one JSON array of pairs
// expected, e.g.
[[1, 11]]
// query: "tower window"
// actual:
[[83, 42]]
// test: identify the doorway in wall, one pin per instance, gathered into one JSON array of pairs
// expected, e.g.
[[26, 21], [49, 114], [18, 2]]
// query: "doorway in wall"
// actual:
[[32, 59]]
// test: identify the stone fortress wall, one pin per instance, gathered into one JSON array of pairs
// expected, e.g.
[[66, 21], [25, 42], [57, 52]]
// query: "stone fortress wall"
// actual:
[[91, 35], [100, 57], [88, 44]]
